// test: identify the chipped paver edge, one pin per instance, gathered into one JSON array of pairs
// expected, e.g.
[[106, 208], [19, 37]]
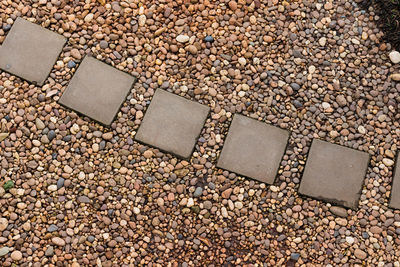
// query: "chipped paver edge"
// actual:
[[355, 205]]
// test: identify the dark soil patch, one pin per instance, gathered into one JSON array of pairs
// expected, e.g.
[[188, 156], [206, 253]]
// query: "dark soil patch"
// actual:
[[389, 18]]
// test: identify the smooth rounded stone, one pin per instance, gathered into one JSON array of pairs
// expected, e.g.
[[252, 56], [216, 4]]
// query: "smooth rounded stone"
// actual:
[[198, 192], [242, 61], [51, 134], [295, 86], [39, 124], [232, 5], [107, 136], [339, 211], [388, 162], [89, 17], [58, 241], [190, 203], [394, 57], [209, 39], [341, 100], [4, 251], [71, 64], [3, 224], [349, 240], [60, 182], [52, 228], [192, 49], [297, 104], [360, 254], [90, 238], [52, 188], [103, 44], [83, 199], [2, 191], [322, 41], [182, 38], [16, 255]]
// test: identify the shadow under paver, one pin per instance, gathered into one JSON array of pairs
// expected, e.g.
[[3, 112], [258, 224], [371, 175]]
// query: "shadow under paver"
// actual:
[[30, 51], [97, 90], [253, 149], [172, 123], [334, 173], [395, 193]]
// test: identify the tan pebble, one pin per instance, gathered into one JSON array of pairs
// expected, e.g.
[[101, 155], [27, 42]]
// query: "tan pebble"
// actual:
[[76, 54], [107, 136], [232, 5], [192, 49], [328, 6], [395, 77], [89, 17], [3, 224], [360, 254], [68, 169], [58, 241], [227, 193], [16, 255], [148, 154]]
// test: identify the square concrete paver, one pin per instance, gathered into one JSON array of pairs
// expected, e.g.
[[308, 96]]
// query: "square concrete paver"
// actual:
[[253, 149], [172, 123], [30, 51], [334, 173], [395, 193], [97, 90]]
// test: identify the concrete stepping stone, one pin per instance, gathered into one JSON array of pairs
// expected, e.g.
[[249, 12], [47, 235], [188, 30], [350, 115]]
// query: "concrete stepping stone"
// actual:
[[30, 51], [253, 148], [395, 193], [172, 123], [97, 90], [334, 173]]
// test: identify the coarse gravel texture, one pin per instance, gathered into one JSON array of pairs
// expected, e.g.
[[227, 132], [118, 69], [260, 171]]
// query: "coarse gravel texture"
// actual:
[[86, 195]]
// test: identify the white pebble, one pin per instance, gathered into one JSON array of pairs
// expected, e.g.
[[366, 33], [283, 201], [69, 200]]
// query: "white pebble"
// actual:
[[394, 57], [182, 38], [52, 188], [190, 202]]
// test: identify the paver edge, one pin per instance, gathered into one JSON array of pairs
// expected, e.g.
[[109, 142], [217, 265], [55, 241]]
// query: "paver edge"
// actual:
[[37, 83], [392, 182], [196, 138], [119, 108], [355, 206], [288, 132]]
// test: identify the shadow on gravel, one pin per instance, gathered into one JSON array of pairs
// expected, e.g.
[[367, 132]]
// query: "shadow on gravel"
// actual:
[[389, 18]]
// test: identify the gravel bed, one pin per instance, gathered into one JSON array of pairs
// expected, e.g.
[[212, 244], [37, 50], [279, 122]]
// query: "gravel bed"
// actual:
[[79, 194]]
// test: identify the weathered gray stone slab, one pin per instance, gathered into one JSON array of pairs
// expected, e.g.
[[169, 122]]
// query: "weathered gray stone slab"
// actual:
[[395, 193], [334, 173], [97, 90], [253, 149], [30, 51], [172, 123]]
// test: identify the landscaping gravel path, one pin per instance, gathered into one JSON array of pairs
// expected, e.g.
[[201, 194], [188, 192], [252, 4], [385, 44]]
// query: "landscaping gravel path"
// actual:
[[77, 193]]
